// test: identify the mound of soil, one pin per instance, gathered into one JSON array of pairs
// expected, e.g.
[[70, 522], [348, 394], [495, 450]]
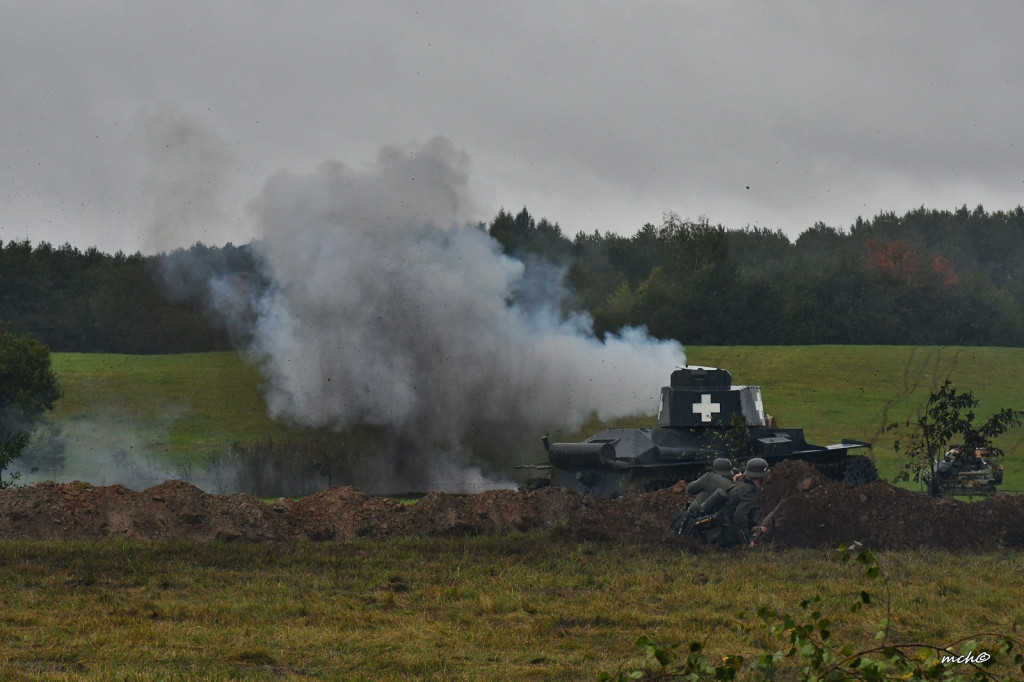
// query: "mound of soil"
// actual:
[[820, 512], [816, 512]]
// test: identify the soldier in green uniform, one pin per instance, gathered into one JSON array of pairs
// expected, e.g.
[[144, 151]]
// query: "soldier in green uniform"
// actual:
[[719, 478], [741, 505]]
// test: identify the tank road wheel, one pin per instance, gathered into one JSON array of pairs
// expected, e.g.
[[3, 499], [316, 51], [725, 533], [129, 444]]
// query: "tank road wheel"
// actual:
[[860, 470]]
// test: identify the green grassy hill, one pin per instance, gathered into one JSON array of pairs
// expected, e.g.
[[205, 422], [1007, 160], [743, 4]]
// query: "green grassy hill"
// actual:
[[181, 406], [184, 407]]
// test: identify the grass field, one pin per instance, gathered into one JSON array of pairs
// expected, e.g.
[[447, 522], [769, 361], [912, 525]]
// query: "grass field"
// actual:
[[184, 407], [519, 606], [181, 405], [534, 606]]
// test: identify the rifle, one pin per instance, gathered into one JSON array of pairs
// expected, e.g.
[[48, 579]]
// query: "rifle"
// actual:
[[680, 523], [757, 534]]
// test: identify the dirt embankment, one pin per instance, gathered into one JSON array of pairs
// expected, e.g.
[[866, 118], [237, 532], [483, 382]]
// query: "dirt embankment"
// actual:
[[817, 512]]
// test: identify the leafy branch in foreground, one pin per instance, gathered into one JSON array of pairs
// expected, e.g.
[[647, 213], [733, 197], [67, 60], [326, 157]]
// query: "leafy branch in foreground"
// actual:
[[810, 654]]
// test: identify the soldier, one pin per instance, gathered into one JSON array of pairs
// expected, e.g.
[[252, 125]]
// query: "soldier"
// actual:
[[740, 507], [719, 478]]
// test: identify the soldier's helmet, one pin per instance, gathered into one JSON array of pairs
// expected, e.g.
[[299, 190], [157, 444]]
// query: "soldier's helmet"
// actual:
[[756, 468], [722, 466]]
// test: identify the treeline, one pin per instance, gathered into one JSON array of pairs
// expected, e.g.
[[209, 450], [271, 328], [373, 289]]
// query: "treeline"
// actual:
[[927, 277], [76, 301]]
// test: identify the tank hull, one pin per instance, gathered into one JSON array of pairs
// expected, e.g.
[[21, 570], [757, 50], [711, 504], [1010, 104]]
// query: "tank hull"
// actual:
[[636, 460]]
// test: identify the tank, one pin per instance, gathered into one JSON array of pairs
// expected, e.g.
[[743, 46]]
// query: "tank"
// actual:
[[701, 416]]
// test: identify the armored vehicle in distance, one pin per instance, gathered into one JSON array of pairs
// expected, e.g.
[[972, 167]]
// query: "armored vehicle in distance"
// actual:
[[701, 416], [967, 472]]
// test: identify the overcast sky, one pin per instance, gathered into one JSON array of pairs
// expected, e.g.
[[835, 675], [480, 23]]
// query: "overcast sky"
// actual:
[[151, 125]]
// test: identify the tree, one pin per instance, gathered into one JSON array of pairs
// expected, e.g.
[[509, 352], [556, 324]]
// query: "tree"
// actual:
[[28, 389], [948, 417]]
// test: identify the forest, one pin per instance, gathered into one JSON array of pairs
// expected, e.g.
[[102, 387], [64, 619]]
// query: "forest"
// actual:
[[928, 277]]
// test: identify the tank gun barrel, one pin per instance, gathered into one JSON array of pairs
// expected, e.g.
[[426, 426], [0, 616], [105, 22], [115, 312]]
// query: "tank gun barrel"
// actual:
[[582, 456]]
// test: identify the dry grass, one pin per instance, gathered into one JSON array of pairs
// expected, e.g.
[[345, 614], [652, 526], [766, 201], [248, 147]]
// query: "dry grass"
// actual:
[[509, 607]]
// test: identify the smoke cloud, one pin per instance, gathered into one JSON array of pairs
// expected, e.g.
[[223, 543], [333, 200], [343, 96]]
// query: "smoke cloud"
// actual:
[[183, 178], [389, 305], [112, 448]]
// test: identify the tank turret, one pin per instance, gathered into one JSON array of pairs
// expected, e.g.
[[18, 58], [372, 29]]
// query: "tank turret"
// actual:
[[701, 397], [701, 416]]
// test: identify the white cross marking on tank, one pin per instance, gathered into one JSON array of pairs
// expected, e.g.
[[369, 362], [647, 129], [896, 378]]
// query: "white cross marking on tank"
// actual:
[[705, 408], [759, 405]]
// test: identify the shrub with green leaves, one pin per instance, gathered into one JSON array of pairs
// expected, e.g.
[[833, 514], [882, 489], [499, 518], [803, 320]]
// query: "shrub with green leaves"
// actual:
[[28, 390]]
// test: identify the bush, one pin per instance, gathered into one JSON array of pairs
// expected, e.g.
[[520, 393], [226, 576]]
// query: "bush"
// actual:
[[28, 389]]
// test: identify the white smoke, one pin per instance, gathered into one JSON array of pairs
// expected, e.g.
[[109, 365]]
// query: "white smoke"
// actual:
[[390, 306], [109, 448]]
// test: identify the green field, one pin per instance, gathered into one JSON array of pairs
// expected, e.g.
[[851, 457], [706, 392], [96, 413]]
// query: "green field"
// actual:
[[185, 407], [180, 405]]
